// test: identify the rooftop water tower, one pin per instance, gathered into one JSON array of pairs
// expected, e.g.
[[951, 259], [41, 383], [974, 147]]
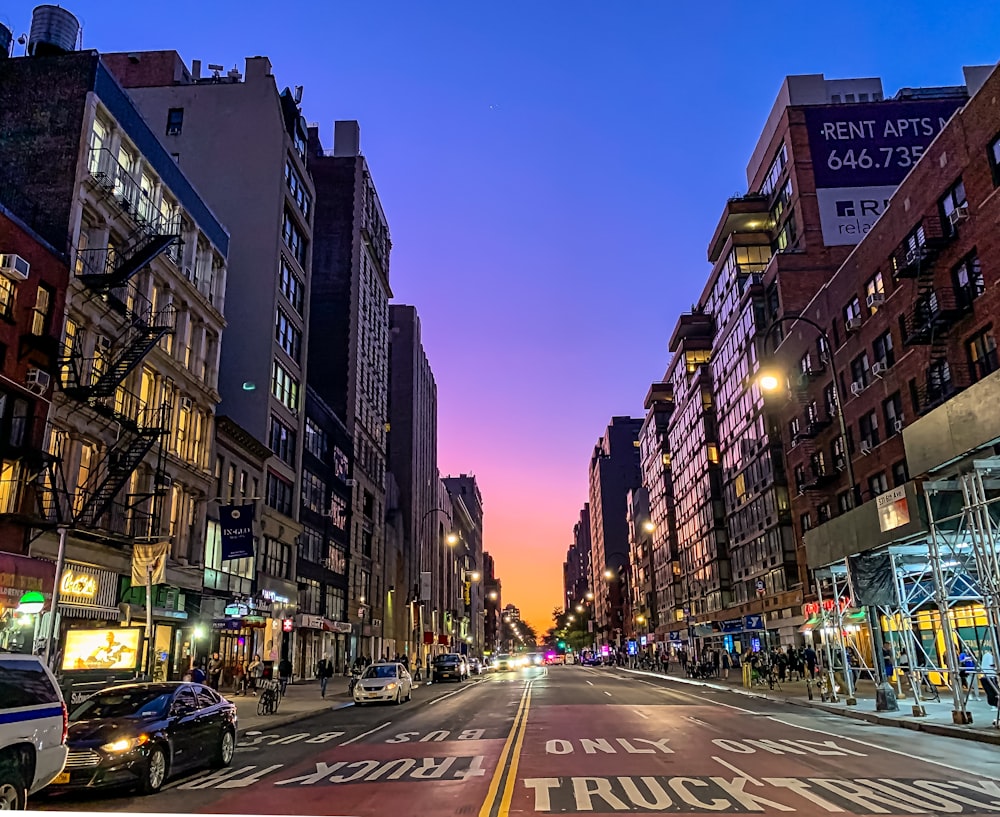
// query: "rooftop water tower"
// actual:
[[53, 31]]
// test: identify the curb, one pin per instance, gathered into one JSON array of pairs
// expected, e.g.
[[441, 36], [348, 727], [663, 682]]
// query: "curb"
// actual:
[[940, 729]]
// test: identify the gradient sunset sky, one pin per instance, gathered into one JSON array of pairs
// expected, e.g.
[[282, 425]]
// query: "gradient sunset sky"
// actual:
[[552, 172]]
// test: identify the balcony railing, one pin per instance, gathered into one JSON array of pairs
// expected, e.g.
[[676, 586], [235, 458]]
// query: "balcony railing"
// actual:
[[940, 386], [932, 316]]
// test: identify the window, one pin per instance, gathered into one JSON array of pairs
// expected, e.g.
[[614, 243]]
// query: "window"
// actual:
[[823, 512], [860, 368], [293, 238], [311, 544], [297, 188], [829, 401], [794, 427], [284, 387], [288, 336], [231, 483], [874, 287], [789, 232], [800, 477], [41, 315], [315, 439], [818, 461], [844, 501], [993, 153], [775, 171], [952, 206], [913, 249], [341, 465], [938, 380], [338, 511], [852, 313], [982, 351], [900, 474], [878, 484], [175, 121], [313, 492], [868, 428], [892, 410], [279, 494], [276, 558], [883, 351], [291, 287], [6, 298], [805, 522], [218, 476], [282, 441], [694, 359], [713, 453], [968, 280]]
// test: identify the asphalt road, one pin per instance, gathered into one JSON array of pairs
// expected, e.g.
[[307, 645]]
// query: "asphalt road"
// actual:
[[575, 740]]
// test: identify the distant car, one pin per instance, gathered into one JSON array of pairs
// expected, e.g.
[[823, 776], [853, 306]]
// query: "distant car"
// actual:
[[503, 662], [449, 666], [554, 658], [33, 722], [534, 659], [137, 735], [388, 681], [476, 666]]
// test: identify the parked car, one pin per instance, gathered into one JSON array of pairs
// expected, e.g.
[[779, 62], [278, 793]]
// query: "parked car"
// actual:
[[450, 665], [137, 735], [475, 666], [387, 681], [33, 723]]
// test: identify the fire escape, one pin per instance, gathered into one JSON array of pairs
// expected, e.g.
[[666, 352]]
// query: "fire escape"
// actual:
[[934, 312], [109, 275], [817, 474]]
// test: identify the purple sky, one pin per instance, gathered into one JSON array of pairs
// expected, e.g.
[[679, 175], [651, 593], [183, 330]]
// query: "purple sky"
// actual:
[[552, 172]]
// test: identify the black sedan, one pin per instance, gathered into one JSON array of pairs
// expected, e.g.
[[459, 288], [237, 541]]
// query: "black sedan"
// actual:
[[136, 735]]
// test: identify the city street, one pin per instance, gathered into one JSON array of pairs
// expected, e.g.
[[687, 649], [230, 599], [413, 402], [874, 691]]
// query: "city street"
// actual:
[[580, 740]]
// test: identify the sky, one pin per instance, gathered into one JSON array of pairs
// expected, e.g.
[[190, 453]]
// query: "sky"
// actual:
[[552, 172]]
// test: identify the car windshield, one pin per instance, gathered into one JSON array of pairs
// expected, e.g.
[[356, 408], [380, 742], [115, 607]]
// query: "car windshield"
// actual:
[[132, 703], [446, 659], [380, 672]]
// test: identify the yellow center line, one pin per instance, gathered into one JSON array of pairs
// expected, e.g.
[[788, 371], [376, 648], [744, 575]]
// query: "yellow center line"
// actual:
[[487, 806], [508, 789]]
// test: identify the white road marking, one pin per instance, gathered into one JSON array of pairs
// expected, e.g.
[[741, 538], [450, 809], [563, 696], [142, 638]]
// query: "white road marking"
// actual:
[[696, 720], [590, 682], [740, 772], [641, 714], [366, 734], [456, 692], [607, 693]]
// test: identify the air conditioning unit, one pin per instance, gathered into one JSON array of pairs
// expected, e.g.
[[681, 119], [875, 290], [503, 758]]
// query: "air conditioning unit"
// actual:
[[350, 483], [878, 368], [897, 424], [853, 325], [875, 299], [37, 381], [915, 254], [840, 463], [958, 215], [866, 446], [857, 387], [376, 622], [14, 267]]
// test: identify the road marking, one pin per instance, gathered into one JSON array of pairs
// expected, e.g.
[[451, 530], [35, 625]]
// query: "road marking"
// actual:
[[491, 795], [740, 772], [641, 714], [365, 734], [456, 692], [508, 790], [607, 693], [590, 682], [696, 720]]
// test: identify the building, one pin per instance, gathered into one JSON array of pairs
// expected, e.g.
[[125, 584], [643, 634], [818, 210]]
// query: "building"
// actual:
[[576, 568], [412, 458], [910, 319], [349, 327], [492, 605], [614, 471], [322, 627], [827, 161], [642, 596], [131, 422], [217, 128], [467, 513]]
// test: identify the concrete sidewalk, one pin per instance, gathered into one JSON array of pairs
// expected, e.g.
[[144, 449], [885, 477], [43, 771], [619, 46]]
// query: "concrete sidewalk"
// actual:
[[937, 721], [301, 700]]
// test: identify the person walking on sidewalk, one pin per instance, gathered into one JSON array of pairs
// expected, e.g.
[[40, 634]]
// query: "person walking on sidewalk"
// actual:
[[324, 671], [725, 665], [988, 678], [215, 671], [255, 671], [284, 673], [809, 657]]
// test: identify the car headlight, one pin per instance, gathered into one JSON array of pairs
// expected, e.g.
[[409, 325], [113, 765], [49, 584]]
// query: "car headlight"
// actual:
[[391, 685], [125, 744]]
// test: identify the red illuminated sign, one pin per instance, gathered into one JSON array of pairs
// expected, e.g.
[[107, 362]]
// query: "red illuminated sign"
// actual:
[[812, 608], [287, 625]]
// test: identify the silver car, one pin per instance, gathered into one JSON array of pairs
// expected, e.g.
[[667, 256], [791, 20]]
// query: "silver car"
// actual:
[[389, 681]]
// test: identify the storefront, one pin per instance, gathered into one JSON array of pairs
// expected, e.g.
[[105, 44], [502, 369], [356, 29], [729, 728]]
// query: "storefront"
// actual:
[[21, 632], [317, 637], [173, 633], [88, 600]]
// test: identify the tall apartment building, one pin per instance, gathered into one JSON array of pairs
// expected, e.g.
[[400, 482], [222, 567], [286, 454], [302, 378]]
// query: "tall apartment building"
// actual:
[[349, 326], [467, 508], [911, 318], [614, 471], [217, 129], [824, 166], [131, 423], [642, 618], [492, 605], [412, 457], [576, 568]]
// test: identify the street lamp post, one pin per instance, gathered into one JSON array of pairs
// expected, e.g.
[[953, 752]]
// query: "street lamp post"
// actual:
[[885, 697]]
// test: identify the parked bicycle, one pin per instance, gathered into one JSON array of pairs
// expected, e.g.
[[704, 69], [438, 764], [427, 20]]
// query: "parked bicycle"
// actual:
[[270, 697]]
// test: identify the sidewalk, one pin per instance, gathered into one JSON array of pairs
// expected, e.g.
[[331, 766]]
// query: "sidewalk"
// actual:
[[937, 721], [301, 700]]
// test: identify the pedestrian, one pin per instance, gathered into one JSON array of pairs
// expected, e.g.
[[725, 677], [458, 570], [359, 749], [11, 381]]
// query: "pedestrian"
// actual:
[[809, 658], [966, 662], [239, 679], [682, 658], [405, 661], [215, 671], [324, 671], [725, 665], [988, 668], [887, 662], [198, 674], [255, 671], [284, 673]]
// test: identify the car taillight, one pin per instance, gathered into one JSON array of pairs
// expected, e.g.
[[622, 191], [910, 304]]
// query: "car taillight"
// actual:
[[65, 722]]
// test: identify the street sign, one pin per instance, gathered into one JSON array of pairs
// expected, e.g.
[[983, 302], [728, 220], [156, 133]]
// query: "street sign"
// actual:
[[760, 587], [753, 622]]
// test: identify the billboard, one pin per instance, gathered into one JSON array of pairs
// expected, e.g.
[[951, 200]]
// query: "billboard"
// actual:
[[893, 510], [860, 153], [112, 648]]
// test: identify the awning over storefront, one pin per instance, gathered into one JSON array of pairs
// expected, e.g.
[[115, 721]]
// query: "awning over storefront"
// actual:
[[19, 574], [137, 612], [852, 616]]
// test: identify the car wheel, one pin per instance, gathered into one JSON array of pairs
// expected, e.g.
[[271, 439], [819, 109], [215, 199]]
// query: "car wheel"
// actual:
[[13, 791], [409, 693], [399, 697], [227, 747], [155, 773]]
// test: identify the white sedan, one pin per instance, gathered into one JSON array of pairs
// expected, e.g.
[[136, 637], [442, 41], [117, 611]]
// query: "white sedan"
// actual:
[[383, 682]]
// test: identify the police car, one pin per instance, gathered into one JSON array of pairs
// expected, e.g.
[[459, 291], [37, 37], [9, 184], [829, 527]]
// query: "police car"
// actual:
[[33, 724]]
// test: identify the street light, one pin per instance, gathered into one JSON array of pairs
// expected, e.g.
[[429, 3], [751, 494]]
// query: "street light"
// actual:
[[768, 382], [493, 595], [580, 608], [451, 539], [590, 595], [648, 526], [608, 574], [474, 576]]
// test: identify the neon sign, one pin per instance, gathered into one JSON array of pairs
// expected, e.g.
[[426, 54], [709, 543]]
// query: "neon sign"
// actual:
[[813, 608], [78, 584]]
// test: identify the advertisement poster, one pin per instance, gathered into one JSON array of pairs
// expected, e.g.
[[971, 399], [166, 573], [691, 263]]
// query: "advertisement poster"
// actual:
[[106, 649], [893, 511], [236, 524]]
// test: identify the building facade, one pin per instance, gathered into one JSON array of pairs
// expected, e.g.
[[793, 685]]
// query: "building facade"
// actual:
[[492, 605], [467, 513]]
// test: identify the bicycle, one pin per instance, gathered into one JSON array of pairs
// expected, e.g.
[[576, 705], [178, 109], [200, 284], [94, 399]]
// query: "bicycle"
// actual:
[[270, 695]]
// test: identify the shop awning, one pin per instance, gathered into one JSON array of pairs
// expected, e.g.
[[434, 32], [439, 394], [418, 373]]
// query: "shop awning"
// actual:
[[850, 616], [19, 574], [90, 611], [137, 613]]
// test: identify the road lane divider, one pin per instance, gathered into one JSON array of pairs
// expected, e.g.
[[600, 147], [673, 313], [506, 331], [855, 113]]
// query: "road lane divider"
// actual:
[[366, 734], [507, 764], [456, 692]]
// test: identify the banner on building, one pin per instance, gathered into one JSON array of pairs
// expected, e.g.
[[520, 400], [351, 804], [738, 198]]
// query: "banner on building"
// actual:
[[872, 579], [151, 559], [236, 528]]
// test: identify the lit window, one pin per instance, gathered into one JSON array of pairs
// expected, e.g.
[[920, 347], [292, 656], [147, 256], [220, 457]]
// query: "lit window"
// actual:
[[713, 453]]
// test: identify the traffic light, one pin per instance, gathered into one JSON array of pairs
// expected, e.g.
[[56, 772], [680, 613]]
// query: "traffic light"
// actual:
[[561, 644]]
